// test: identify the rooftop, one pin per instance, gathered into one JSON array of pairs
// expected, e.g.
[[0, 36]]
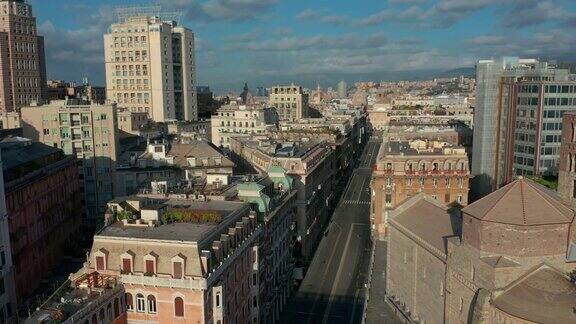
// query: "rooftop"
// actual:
[[177, 231], [422, 147], [542, 296], [522, 202], [428, 219]]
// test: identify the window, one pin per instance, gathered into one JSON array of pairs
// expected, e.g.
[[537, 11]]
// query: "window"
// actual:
[[100, 265], [140, 305], [126, 265], [218, 300], [151, 304], [178, 307], [150, 266], [177, 267], [129, 302]]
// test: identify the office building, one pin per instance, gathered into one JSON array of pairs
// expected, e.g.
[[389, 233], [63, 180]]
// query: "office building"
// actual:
[[22, 61], [43, 201], [406, 168], [151, 67], [567, 173], [290, 102], [519, 106], [90, 133]]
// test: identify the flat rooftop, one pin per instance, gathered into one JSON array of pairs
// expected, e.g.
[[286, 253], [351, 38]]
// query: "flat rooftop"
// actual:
[[404, 148], [185, 231]]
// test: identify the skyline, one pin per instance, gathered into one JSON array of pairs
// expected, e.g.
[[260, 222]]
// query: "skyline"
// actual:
[[264, 42]]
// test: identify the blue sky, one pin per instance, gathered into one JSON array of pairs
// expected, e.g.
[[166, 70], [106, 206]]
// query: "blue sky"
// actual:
[[322, 41]]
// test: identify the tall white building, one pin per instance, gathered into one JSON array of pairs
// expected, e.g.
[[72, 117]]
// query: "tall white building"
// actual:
[[150, 67]]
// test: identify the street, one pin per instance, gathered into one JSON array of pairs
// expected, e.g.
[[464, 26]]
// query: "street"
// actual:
[[334, 286]]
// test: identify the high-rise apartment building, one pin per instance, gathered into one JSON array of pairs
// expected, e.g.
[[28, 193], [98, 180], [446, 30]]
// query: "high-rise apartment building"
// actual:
[[150, 67], [22, 63], [342, 89], [290, 101], [519, 106], [87, 131]]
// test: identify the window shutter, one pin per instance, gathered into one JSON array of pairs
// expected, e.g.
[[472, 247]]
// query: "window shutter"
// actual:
[[99, 263], [177, 270], [150, 266], [126, 265]]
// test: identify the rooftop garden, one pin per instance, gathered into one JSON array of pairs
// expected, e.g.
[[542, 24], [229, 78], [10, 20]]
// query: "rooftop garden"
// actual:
[[177, 215]]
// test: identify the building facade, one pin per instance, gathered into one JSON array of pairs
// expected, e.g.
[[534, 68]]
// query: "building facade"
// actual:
[[88, 132], [181, 261], [567, 173], [22, 62], [151, 67], [43, 200], [502, 259], [241, 120], [290, 101], [8, 291], [406, 168], [519, 103]]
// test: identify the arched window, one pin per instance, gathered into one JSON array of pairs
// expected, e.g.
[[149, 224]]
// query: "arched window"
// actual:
[[102, 315], [151, 304], [129, 302], [109, 313], [94, 319], [178, 307], [140, 304]]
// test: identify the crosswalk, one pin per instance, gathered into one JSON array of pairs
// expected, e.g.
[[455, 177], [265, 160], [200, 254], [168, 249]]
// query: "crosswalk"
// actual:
[[355, 202]]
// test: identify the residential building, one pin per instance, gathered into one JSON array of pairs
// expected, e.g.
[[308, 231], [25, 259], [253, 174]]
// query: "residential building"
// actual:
[[90, 133], [406, 168], [195, 130], [235, 119], [311, 164], [132, 122], [502, 259], [87, 297], [10, 120], [519, 106], [151, 67], [22, 61], [43, 201], [274, 197], [8, 291], [181, 261], [170, 163], [290, 102]]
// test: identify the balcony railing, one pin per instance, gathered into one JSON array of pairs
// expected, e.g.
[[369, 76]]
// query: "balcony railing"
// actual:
[[141, 279]]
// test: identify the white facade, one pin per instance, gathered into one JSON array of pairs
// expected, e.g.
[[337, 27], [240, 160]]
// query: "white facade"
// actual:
[[150, 67], [240, 120]]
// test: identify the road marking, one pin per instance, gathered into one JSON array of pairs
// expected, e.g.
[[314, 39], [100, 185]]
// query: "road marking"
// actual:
[[339, 272], [325, 270], [361, 187], [354, 307]]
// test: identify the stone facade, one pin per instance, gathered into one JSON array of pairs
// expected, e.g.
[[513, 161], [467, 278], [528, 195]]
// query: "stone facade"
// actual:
[[290, 101], [567, 171]]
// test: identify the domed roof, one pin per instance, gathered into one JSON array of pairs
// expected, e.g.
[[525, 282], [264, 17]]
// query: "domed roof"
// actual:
[[522, 202]]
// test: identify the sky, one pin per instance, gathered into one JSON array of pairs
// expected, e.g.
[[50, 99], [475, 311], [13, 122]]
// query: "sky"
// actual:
[[266, 42]]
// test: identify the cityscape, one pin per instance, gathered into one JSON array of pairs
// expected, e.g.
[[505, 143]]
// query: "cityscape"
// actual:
[[142, 184]]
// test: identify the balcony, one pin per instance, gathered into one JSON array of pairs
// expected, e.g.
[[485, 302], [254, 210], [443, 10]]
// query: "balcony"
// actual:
[[186, 283]]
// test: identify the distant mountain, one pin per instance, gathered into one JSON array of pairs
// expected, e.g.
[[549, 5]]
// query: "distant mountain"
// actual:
[[465, 71]]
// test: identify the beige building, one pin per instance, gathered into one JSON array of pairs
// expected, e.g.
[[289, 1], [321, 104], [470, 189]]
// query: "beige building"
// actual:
[[406, 168], [87, 131], [503, 259], [131, 122], [150, 67], [10, 120], [22, 62], [290, 101], [181, 261], [241, 120]]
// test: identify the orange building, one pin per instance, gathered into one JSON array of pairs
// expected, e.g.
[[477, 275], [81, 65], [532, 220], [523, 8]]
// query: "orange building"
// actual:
[[406, 168]]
